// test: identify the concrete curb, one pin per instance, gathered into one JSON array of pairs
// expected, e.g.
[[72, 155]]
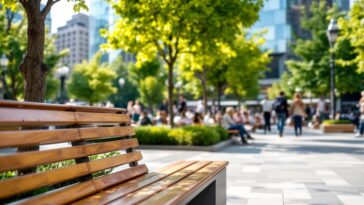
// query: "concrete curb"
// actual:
[[213, 148]]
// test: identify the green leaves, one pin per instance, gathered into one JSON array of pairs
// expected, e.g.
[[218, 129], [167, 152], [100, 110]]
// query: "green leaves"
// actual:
[[92, 81], [311, 70], [353, 29]]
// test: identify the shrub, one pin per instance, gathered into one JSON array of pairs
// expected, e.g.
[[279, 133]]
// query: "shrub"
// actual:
[[224, 135], [336, 122], [154, 135], [190, 135]]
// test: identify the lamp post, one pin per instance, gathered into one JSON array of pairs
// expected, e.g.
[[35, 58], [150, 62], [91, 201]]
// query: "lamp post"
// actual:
[[332, 34], [121, 82], [4, 62], [62, 73]]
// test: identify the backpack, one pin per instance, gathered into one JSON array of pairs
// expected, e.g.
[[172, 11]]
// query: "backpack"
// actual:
[[280, 105]]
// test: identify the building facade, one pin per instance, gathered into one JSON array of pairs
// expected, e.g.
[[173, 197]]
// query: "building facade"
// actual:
[[280, 19], [102, 16], [75, 37]]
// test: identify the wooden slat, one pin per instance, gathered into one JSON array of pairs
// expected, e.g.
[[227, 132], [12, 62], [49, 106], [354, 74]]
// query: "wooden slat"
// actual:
[[148, 191], [32, 181], [34, 158], [88, 117], [21, 138], [102, 132], [133, 185], [46, 106], [24, 117], [81, 190], [177, 192]]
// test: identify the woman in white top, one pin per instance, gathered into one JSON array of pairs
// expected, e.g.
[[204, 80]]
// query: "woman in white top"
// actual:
[[361, 109], [298, 112], [229, 124]]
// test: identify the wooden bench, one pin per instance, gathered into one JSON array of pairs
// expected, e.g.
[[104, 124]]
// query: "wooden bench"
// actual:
[[76, 134]]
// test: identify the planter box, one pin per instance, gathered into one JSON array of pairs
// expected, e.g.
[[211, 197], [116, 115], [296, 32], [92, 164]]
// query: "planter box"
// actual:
[[350, 128]]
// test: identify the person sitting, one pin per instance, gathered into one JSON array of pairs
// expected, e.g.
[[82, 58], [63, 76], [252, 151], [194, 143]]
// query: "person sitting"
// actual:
[[161, 118], [144, 119], [197, 119], [182, 120], [229, 124]]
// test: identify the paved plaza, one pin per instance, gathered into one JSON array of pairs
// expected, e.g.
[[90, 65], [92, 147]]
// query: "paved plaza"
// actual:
[[314, 169]]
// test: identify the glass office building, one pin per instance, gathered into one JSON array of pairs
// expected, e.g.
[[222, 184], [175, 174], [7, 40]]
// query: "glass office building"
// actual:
[[102, 17], [281, 21], [99, 19]]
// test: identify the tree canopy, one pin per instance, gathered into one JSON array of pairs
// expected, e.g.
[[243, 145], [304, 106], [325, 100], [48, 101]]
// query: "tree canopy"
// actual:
[[310, 71], [172, 27], [92, 81], [352, 28]]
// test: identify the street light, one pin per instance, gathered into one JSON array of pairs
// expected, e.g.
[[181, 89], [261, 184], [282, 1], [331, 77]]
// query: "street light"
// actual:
[[62, 73], [332, 34], [121, 82], [4, 62]]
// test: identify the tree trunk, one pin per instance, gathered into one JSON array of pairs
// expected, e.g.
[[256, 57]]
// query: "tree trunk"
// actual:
[[32, 67], [204, 89], [219, 88], [170, 94]]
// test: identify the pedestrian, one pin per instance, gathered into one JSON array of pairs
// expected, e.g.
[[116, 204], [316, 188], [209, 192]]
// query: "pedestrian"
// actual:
[[182, 105], [281, 109], [297, 112], [200, 107], [361, 121], [164, 106], [321, 109], [229, 124], [267, 110], [137, 110]]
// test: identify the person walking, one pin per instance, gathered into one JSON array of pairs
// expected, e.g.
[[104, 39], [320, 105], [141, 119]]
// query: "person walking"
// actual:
[[229, 124], [267, 110], [297, 112], [281, 109], [361, 121]]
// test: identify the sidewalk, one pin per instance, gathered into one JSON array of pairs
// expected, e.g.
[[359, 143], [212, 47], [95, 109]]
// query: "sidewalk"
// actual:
[[313, 169]]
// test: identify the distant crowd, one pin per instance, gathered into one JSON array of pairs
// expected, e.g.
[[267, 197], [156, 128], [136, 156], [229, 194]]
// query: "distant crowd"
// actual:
[[278, 112]]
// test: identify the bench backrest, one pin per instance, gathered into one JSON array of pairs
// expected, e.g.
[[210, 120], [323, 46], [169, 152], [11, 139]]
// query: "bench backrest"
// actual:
[[84, 134]]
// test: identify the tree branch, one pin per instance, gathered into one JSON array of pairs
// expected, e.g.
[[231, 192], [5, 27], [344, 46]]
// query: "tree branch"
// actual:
[[48, 7]]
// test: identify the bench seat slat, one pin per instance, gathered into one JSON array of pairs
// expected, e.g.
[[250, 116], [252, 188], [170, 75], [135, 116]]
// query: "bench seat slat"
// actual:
[[32, 181], [24, 117], [146, 192], [89, 117], [27, 117], [20, 138], [121, 190], [176, 193], [44, 106], [34, 158], [84, 189]]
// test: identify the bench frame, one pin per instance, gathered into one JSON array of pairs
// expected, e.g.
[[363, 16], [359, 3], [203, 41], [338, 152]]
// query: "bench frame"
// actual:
[[206, 179]]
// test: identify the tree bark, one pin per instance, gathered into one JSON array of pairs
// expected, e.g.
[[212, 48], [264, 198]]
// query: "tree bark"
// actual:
[[204, 89], [32, 67], [170, 94], [219, 89]]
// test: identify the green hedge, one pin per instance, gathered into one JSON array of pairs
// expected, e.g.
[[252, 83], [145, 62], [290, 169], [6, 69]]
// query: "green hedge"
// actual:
[[189, 135], [336, 122]]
